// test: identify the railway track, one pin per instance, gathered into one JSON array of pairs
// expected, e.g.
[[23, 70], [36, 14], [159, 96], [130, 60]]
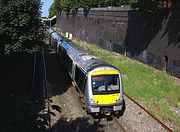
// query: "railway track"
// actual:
[[43, 79], [45, 90], [119, 124], [113, 124], [156, 119], [108, 123]]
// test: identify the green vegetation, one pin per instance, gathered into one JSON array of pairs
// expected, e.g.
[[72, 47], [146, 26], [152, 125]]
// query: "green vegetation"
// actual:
[[19, 24], [148, 6], [154, 89], [67, 5]]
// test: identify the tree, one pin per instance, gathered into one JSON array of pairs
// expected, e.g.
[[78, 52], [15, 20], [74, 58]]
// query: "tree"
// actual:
[[55, 8], [154, 6], [67, 5], [19, 24]]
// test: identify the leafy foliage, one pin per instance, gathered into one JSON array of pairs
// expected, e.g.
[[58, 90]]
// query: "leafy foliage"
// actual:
[[155, 6], [55, 8], [144, 5], [19, 23], [67, 5]]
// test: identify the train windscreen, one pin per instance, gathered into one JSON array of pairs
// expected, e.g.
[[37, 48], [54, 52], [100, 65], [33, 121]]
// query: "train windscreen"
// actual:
[[105, 84]]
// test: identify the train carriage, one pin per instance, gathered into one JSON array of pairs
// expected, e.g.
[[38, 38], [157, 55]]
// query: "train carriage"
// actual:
[[99, 83]]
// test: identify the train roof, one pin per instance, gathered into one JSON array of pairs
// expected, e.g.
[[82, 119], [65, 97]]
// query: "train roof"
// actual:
[[56, 36], [83, 59], [49, 30]]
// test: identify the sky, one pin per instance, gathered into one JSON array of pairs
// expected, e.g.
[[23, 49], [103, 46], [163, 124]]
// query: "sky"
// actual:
[[45, 7]]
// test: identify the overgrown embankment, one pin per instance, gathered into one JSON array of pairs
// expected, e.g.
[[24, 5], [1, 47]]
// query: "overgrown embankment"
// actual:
[[155, 90]]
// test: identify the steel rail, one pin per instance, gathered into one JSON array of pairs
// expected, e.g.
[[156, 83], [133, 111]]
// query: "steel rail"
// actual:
[[45, 73], [107, 126], [46, 88], [33, 75], [119, 124], [156, 119]]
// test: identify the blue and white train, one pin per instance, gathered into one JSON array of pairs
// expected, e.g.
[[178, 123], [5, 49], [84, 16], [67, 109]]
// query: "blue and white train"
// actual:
[[99, 84]]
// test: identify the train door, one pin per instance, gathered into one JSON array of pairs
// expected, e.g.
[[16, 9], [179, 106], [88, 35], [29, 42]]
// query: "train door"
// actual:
[[73, 70], [80, 79]]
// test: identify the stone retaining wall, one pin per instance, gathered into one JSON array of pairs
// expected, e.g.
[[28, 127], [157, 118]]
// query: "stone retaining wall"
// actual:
[[152, 40]]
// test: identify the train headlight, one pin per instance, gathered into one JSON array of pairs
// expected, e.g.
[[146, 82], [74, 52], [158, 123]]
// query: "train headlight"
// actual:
[[92, 101], [119, 101]]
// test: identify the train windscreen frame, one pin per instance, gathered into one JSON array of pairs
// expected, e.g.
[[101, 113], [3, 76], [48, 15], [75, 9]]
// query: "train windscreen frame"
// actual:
[[105, 84]]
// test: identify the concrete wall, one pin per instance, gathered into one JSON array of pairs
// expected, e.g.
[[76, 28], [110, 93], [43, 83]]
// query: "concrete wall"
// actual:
[[152, 40]]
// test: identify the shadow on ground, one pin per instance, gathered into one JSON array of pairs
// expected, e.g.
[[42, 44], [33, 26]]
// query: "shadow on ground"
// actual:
[[58, 79], [18, 112], [80, 125]]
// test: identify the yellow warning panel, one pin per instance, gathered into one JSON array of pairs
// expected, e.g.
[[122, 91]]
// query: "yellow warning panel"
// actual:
[[106, 98], [105, 72]]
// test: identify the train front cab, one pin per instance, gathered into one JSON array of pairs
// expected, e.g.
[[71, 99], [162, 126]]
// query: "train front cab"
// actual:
[[105, 92]]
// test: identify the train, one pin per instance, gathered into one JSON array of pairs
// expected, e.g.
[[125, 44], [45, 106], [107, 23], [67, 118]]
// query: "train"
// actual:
[[99, 84]]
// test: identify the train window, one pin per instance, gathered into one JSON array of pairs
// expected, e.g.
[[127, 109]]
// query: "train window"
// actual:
[[105, 84], [67, 62], [80, 78]]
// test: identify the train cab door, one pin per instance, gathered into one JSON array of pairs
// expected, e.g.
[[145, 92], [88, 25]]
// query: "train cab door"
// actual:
[[57, 47], [73, 70]]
